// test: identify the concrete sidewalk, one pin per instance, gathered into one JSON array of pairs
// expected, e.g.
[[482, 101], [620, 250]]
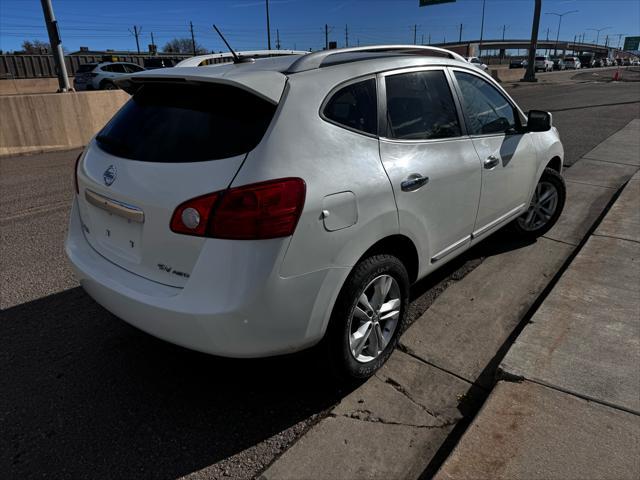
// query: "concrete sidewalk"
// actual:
[[574, 408], [395, 424]]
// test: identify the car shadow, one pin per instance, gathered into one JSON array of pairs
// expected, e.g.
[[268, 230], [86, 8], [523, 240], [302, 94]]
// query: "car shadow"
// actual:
[[83, 394]]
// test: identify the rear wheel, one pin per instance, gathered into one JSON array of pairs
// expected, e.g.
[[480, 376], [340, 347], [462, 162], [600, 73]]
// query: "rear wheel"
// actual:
[[368, 317], [545, 207]]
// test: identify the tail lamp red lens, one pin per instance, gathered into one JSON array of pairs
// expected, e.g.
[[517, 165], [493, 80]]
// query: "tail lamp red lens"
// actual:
[[261, 210]]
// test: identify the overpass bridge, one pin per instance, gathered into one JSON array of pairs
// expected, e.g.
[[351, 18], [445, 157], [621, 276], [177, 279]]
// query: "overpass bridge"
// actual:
[[474, 48]]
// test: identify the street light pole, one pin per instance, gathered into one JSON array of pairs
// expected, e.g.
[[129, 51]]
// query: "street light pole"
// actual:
[[268, 27], [56, 46], [530, 75], [559, 15], [482, 29]]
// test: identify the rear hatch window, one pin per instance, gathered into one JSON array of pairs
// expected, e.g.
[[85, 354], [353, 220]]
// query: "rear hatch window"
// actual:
[[187, 123]]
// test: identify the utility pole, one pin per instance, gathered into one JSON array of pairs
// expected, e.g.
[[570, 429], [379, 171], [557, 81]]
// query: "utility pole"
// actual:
[[460, 35], [268, 27], [346, 35], [504, 29], [481, 29], [429, 38], [278, 39], [530, 75], [598, 30], [326, 36], [136, 33], [56, 46], [619, 39], [415, 33], [559, 15], [152, 42], [193, 39]]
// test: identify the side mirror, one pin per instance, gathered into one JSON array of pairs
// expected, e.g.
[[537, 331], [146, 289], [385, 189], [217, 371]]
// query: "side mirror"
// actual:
[[538, 121]]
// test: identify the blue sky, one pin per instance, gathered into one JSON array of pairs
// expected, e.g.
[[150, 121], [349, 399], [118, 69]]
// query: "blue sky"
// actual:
[[101, 24]]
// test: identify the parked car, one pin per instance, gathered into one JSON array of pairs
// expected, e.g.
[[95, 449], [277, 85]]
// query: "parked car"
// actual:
[[476, 62], [517, 63], [543, 63], [558, 63], [586, 61], [102, 76], [626, 62], [572, 63], [598, 63], [218, 212]]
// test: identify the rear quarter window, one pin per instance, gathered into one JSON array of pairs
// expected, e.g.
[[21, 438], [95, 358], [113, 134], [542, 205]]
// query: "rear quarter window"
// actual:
[[355, 107], [187, 123]]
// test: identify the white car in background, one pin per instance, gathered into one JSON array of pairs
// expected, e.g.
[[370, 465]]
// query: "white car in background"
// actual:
[[262, 207], [476, 62], [572, 63], [102, 76], [543, 63]]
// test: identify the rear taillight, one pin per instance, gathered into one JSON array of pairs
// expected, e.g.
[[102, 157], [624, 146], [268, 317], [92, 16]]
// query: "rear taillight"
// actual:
[[257, 211], [75, 173]]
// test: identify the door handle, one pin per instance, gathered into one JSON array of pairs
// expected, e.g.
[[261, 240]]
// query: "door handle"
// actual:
[[413, 182], [491, 161]]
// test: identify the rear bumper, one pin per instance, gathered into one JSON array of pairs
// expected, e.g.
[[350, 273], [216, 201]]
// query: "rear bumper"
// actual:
[[235, 304]]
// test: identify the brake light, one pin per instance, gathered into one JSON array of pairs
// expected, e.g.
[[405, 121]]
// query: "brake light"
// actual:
[[75, 173], [257, 211]]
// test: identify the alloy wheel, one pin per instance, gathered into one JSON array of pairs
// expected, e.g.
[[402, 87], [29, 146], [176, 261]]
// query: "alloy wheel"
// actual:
[[542, 208], [374, 319]]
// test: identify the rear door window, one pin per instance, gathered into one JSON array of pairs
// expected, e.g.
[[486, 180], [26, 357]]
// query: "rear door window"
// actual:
[[420, 106], [355, 107], [187, 123]]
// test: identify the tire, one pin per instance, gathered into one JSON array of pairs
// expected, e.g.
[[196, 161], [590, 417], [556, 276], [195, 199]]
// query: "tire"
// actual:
[[541, 216], [347, 329]]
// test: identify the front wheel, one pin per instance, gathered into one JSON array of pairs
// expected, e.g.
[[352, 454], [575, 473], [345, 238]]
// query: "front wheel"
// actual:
[[545, 207], [368, 317]]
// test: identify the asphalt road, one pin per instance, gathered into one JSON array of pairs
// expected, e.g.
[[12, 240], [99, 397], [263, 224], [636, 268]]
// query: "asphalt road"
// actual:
[[82, 394]]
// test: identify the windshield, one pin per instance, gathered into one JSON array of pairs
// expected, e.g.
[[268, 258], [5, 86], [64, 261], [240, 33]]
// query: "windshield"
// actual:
[[187, 123]]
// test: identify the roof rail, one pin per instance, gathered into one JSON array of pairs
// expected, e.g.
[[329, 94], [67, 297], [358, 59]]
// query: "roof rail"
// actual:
[[314, 60], [197, 60]]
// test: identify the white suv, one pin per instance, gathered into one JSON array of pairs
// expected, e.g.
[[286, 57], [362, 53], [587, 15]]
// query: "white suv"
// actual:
[[543, 63], [102, 76], [260, 208]]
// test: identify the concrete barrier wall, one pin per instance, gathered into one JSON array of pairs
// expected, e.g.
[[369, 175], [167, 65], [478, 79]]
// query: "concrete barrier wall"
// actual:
[[507, 74], [34, 123], [29, 85]]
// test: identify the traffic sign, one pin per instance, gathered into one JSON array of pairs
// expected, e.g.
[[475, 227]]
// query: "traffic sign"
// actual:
[[631, 43]]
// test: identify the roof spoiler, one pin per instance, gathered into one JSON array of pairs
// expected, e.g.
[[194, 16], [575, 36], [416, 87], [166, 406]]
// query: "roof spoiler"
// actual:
[[314, 60], [267, 85]]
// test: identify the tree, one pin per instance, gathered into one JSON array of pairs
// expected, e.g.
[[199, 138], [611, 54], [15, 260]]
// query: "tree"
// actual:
[[183, 45], [35, 47]]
